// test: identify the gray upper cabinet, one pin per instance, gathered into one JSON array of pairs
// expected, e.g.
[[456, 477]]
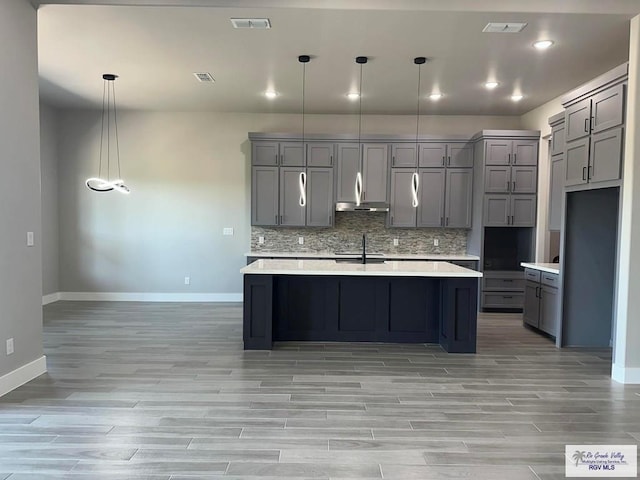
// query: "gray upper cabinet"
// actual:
[[459, 155], [292, 154], [556, 192], [523, 211], [375, 169], [607, 109], [497, 179], [348, 166], [402, 213], [432, 154], [498, 152], [576, 161], [431, 197], [404, 155], [458, 198], [292, 214], [606, 156], [497, 210], [320, 154], [525, 153], [265, 153], [264, 196], [524, 179], [557, 139], [320, 204], [577, 119]]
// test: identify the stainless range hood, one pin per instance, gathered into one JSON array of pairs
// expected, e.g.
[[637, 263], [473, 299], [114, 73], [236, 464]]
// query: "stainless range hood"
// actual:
[[363, 207]]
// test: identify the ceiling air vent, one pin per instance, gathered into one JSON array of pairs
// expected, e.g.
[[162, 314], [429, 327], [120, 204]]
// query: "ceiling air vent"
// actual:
[[496, 27], [260, 23], [204, 77]]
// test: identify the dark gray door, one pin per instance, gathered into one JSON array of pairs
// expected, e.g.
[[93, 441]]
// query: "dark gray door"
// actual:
[[606, 156], [404, 155], [265, 153], [292, 154], [264, 196], [607, 109], [401, 211], [524, 179], [459, 189], [498, 152], [433, 154], [291, 212], [557, 139], [531, 311], [577, 119], [523, 210], [431, 197], [375, 172], [525, 153], [497, 179], [320, 154], [555, 196], [320, 204], [459, 155], [549, 310], [497, 210], [576, 162], [347, 168]]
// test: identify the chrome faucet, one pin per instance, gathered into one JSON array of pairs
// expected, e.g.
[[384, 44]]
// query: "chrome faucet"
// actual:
[[364, 248]]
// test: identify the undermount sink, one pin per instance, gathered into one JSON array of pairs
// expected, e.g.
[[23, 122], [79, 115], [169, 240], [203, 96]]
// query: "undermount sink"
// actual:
[[359, 260]]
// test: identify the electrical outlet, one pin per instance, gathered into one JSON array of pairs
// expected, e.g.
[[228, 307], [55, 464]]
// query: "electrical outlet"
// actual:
[[300, 240], [30, 241], [228, 231], [187, 280], [396, 242], [261, 240], [9, 346], [436, 242]]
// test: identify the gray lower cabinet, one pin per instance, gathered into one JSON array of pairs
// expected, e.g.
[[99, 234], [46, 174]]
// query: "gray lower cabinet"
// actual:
[[509, 210], [431, 197], [502, 289], [264, 196], [531, 311], [320, 206], [556, 192], [292, 214], [549, 310], [458, 202], [401, 211], [541, 302]]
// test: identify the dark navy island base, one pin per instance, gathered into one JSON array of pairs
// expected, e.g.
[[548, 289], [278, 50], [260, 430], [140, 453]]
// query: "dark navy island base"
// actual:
[[342, 308]]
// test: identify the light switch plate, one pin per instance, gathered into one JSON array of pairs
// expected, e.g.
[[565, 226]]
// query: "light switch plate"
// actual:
[[9, 346], [261, 240], [395, 242], [227, 231], [436, 242], [30, 240], [300, 240], [187, 280]]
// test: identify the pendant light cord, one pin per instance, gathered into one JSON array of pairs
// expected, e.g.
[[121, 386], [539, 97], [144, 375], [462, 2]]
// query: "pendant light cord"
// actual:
[[360, 109], [108, 134], [418, 108], [115, 124], [104, 93], [304, 76]]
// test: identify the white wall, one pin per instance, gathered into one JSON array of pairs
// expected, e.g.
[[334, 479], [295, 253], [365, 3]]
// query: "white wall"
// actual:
[[49, 188], [538, 119], [190, 177], [20, 266]]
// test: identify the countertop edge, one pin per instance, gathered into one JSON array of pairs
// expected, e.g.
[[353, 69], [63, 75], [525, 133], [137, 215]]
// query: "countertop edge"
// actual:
[[433, 256], [543, 267]]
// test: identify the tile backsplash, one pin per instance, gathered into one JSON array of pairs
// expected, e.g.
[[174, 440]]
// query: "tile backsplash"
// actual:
[[346, 235]]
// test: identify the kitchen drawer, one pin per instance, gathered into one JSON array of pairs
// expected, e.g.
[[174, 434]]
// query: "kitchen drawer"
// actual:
[[532, 275], [503, 284], [502, 300], [550, 279]]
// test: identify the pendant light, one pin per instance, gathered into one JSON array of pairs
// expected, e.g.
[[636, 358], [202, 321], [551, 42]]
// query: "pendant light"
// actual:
[[303, 59], [358, 187], [415, 178], [103, 182]]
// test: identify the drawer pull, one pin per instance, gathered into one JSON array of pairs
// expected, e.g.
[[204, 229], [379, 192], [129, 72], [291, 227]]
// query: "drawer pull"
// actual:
[[504, 296]]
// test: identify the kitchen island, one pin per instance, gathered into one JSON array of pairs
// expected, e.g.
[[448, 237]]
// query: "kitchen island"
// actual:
[[333, 301]]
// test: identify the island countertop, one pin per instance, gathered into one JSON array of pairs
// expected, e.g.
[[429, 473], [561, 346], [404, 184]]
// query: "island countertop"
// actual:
[[543, 267], [331, 267]]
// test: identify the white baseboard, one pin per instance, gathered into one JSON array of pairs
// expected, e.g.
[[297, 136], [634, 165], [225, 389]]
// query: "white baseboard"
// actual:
[[627, 375], [52, 297], [22, 375], [151, 297]]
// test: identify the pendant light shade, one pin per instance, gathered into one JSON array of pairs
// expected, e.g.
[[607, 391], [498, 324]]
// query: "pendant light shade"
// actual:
[[103, 182]]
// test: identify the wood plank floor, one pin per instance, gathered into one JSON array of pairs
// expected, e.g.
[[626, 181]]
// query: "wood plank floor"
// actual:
[[165, 391]]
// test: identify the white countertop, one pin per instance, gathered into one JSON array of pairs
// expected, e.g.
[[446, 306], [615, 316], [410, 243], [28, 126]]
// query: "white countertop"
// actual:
[[543, 267], [331, 267], [391, 256]]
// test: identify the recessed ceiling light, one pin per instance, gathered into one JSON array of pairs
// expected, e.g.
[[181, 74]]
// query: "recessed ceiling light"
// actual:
[[258, 23], [353, 96], [517, 98], [270, 94], [435, 96], [491, 85], [543, 44], [204, 77]]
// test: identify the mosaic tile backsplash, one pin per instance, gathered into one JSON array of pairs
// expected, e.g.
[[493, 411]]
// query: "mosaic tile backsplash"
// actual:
[[346, 235]]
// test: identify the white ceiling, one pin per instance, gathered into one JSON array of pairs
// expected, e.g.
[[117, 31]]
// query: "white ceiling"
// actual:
[[155, 49]]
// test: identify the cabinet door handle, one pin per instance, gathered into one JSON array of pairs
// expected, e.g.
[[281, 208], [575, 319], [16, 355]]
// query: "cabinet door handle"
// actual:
[[330, 159], [446, 222], [442, 221], [507, 296], [280, 219], [584, 174], [444, 159], [591, 122], [507, 280], [589, 176], [330, 219], [393, 160], [449, 161], [513, 219], [391, 219], [515, 158], [537, 292], [508, 158], [514, 187], [276, 220], [586, 125]]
